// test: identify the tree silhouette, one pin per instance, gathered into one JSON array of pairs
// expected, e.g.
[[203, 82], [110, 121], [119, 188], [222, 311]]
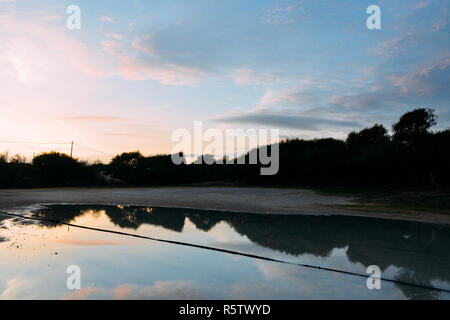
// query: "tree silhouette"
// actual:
[[413, 157], [367, 137], [58, 169], [413, 125]]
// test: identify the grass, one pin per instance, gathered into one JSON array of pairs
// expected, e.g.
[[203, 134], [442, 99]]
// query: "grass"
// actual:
[[433, 201]]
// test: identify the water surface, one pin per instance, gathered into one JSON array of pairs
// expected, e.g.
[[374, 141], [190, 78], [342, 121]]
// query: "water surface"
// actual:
[[35, 255]]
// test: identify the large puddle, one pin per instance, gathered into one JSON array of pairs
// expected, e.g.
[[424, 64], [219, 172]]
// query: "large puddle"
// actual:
[[35, 255]]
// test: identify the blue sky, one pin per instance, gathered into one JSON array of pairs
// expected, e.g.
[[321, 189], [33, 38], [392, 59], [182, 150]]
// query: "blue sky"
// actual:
[[137, 70]]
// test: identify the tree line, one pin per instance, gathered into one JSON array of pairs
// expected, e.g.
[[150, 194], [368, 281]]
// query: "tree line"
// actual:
[[412, 156]]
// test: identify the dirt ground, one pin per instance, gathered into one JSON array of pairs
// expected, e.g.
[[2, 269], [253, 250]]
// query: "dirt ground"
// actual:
[[237, 199]]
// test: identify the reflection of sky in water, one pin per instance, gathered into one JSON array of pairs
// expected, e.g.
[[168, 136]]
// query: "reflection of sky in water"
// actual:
[[35, 257]]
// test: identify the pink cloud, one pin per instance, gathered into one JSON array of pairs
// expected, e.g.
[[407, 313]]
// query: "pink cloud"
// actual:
[[110, 46], [426, 81], [116, 36], [94, 118], [160, 290], [294, 95], [81, 294], [32, 48], [388, 47], [247, 77], [169, 74], [143, 45]]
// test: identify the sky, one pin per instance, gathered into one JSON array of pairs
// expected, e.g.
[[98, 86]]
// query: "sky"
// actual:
[[137, 70]]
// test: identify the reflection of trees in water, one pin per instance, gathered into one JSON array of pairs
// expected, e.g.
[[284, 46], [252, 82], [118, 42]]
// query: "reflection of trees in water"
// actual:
[[294, 235], [405, 245], [420, 251], [204, 222], [130, 217], [414, 276]]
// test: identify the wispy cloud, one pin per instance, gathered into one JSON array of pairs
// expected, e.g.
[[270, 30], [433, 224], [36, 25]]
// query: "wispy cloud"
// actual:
[[166, 73], [289, 13], [144, 44], [110, 46], [95, 118], [43, 41], [116, 36], [394, 45], [431, 81], [32, 49], [298, 95], [289, 121], [248, 77], [106, 19]]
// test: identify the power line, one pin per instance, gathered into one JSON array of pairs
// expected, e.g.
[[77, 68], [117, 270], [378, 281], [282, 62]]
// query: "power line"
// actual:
[[92, 149], [59, 143], [29, 142]]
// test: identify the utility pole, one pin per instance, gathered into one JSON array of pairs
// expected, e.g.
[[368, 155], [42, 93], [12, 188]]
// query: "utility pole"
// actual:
[[71, 149]]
